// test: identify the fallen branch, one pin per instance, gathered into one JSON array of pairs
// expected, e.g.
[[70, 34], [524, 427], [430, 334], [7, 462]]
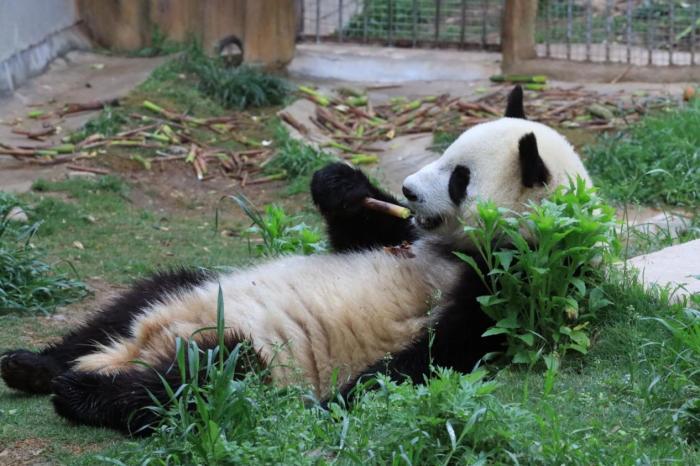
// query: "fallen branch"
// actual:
[[87, 106], [37, 135]]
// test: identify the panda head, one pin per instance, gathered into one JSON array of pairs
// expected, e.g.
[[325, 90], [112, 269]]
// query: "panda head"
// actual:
[[509, 161]]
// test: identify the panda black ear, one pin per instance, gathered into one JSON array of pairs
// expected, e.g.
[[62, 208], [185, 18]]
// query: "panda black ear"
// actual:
[[515, 108], [532, 168]]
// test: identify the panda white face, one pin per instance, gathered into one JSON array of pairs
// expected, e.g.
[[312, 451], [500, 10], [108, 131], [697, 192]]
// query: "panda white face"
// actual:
[[508, 161]]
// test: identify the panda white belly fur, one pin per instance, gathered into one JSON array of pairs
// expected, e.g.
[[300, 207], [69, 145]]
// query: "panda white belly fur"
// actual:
[[310, 315]]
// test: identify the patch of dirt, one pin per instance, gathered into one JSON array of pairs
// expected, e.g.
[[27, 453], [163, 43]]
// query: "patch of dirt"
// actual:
[[26, 451], [171, 188]]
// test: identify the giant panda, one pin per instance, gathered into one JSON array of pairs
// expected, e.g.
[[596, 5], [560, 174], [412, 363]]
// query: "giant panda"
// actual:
[[325, 317]]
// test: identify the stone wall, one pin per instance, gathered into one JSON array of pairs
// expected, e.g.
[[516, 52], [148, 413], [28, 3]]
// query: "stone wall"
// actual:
[[32, 34]]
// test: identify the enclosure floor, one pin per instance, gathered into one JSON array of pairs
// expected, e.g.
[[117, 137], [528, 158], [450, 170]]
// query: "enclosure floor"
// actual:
[[365, 63], [80, 77], [618, 54]]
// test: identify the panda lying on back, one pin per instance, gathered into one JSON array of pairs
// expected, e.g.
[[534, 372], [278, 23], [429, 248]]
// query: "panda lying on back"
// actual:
[[307, 317]]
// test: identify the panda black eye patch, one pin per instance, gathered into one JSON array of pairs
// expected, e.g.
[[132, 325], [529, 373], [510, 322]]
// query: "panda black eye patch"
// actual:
[[459, 180]]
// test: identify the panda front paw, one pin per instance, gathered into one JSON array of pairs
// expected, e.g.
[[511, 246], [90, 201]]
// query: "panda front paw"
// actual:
[[339, 189]]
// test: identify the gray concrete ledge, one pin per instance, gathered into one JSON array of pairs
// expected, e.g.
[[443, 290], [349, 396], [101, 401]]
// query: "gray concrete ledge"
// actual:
[[564, 70], [34, 60]]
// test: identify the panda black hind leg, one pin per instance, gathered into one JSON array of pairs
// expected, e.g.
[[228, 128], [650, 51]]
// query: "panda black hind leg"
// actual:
[[338, 190], [32, 372], [125, 401]]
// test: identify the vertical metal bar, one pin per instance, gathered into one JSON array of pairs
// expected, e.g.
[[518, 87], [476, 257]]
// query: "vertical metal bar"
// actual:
[[569, 27], [608, 28], [650, 37], [547, 26], [589, 27], [340, 20], [463, 24], [390, 7], [318, 21], [671, 31], [484, 22], [415, 22], [629, 31], [693, 28], [438, 7], [365, 21]]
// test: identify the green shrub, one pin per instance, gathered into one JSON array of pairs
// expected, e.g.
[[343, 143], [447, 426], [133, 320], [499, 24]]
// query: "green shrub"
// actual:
[[234, 87], [280, 233], [657, 161], [28, 284], [544, 286]]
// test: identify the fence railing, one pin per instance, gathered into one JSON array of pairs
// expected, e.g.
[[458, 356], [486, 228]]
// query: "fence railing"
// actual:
[[412, 23], [636, 32]]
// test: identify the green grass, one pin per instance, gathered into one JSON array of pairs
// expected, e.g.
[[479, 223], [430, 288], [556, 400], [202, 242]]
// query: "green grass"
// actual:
[[27, 282], [442, 140], [120, 241], [656, 161]]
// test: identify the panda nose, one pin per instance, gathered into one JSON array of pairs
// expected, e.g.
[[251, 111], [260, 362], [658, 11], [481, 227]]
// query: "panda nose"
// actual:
[[410, 195]]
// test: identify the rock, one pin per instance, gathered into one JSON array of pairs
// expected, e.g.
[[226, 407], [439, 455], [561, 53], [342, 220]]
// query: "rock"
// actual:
[[16, 214], [73, 175], [675, 266], [669, 223]]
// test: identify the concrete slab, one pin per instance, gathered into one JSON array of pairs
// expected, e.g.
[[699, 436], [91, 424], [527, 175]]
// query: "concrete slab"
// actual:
[[675, 266], [363, 63]]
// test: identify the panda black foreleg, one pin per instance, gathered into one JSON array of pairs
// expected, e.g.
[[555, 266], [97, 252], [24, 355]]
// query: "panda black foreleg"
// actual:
[[32, 372], [338, 191]]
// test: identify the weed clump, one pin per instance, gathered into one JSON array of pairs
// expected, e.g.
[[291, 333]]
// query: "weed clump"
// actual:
[[234, 87], [27, 283], [545, 282]]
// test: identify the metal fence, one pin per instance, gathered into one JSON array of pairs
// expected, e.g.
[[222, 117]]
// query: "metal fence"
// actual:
[[636, 32], [409, 23]]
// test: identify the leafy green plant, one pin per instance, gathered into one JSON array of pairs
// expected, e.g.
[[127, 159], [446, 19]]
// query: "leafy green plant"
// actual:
[[240, 87], [28, 284], [279, 232], [544, 283], [654, 162]]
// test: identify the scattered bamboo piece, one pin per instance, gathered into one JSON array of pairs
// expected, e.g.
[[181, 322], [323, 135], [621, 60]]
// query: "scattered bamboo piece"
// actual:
[[386, 208], [81, 168]]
